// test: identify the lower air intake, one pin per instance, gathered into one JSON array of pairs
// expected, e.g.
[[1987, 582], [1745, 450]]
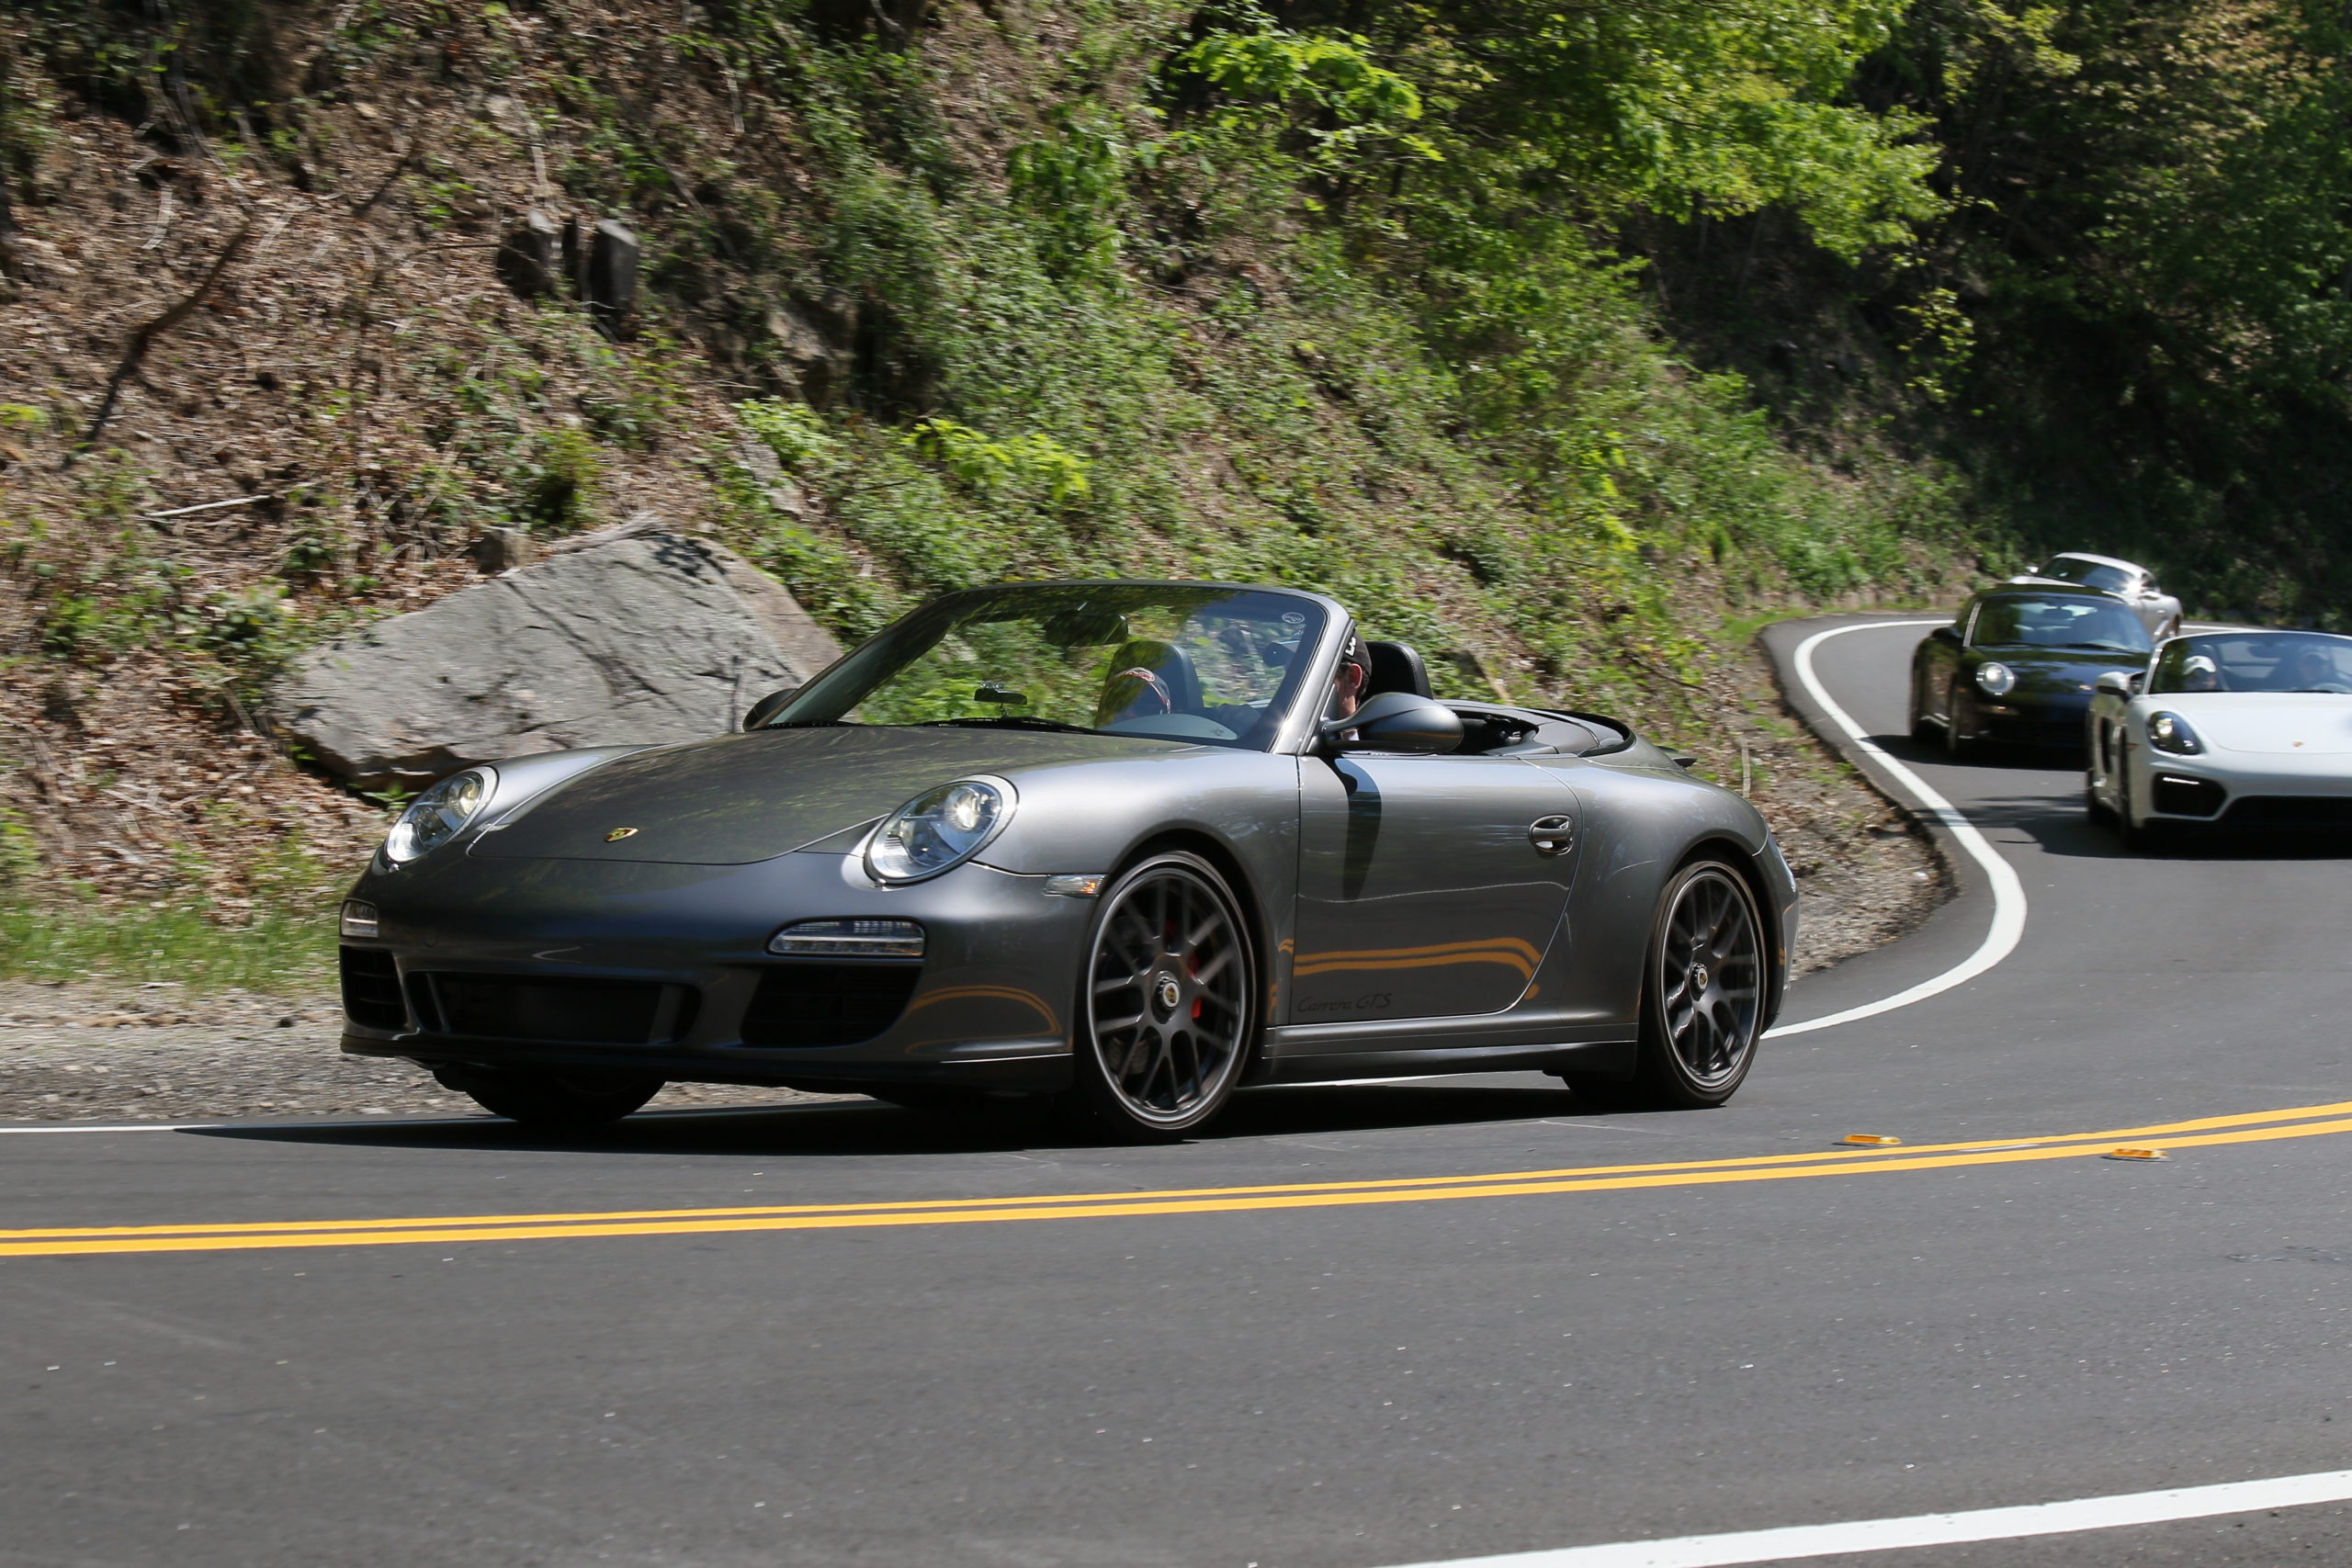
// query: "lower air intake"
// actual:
[[577, 1013], [827, 1004], [2189, 797], [371, 989], [2292, 811]]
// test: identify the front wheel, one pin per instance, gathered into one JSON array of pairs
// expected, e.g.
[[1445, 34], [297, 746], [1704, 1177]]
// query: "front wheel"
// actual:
[[1959, 745], [1168, 1002], [1703, 994], [556, 1102]]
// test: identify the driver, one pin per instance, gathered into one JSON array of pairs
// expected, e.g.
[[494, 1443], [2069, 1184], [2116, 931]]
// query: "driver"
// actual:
[[2313, 671], [2198, 673], [1350, 679]]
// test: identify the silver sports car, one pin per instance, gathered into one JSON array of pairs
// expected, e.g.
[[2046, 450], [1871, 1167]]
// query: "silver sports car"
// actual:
[[2242, 728], [2135, 585], [1131, 844]]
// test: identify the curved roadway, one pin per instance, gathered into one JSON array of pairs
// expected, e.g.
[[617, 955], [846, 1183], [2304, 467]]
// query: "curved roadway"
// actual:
[[1460, 1323]]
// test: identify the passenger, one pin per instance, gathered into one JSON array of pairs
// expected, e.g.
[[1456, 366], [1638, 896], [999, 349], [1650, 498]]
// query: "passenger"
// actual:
[[1138, 684]]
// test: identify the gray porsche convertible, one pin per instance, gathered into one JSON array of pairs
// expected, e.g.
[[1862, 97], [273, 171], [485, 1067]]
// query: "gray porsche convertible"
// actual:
[[1128, 844]]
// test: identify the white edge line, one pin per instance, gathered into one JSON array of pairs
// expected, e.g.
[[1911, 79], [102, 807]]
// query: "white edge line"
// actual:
[[1935, 1530], [2008, 893]]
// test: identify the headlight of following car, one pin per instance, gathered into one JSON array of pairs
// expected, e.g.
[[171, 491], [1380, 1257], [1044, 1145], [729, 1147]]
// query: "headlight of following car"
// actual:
[[2170, 732], [1994, 679], [938, 830], [438, 814]]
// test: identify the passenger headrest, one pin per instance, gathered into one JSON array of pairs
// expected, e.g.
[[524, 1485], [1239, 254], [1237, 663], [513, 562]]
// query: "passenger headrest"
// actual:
[[1395, 667]]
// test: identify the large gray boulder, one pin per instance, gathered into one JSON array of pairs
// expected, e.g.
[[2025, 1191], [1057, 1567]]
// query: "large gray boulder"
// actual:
[[630, 634]]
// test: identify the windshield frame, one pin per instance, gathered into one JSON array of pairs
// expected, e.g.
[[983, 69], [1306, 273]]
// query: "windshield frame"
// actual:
[[2145, 648], [849, 680]]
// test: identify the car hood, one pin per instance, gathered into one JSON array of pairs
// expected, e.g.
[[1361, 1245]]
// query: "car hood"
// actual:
[[2058, 672], [2302, 724], [740, 798]]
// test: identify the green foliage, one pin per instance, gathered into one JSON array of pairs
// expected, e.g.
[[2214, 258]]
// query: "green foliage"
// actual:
[[282, 952], [1032, 462]]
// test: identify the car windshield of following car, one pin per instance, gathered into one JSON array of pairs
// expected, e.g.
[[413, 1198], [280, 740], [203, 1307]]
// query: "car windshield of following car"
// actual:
[[1176, 661], [2026, 620], [2089, 573], [2254, 661]]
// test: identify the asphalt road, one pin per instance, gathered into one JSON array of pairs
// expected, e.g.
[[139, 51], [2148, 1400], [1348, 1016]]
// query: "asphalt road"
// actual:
[[1781, 1332]]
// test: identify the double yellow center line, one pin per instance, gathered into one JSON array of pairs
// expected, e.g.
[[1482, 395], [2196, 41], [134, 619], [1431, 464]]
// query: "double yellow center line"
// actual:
[[2259, 1126]]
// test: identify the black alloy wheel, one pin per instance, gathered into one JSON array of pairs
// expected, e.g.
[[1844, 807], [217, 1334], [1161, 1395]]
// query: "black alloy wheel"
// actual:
[[1702, 997], [569, 1102], [1166, 1005]]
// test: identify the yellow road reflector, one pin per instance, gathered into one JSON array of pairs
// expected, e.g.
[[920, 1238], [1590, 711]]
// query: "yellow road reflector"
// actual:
[[1872, 1140], [2135, 1154]]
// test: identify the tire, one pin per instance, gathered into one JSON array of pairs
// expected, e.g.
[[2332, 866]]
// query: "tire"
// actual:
[[1922, 726], [1166, 1004], [1707, 930], [2145, 838], [2101, 814], [552, 1101], [1958, 747]]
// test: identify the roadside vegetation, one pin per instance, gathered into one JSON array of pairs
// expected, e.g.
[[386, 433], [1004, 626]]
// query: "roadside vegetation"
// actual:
[[1569, 344]]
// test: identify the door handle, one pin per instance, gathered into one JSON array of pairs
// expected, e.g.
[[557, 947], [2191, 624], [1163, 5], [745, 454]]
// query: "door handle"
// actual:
[[1553, 835]]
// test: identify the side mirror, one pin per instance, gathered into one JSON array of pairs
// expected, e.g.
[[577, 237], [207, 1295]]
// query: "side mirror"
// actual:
[[1397, 721], [2124, 683], [1946, 634], [766, 708]]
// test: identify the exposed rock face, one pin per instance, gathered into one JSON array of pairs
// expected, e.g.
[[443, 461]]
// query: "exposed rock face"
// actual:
[[633, 634]]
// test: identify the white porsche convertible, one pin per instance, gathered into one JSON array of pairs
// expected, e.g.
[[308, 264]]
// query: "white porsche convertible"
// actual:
[[2242, 729]]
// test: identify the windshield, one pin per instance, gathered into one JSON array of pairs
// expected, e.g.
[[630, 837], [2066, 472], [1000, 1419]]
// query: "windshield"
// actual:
[[2089, 573], [2031, 620], [2254, 661], [1181, 661]]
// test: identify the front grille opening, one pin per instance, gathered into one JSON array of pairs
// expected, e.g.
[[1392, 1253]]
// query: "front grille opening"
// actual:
[[371, 989], [2293, 811], [2189, 797], [568, 1011], [828, 1004]]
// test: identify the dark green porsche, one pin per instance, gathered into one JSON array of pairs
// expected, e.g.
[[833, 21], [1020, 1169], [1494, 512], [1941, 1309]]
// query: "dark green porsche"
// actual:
[[2018, 664]]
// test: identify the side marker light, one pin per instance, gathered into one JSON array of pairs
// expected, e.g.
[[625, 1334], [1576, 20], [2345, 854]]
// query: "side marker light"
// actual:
[[1870, 1140], [2135, 1154], [1075, 886]]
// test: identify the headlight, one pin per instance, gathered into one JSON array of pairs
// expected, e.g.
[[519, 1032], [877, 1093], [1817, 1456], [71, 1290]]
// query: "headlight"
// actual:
[[438, 814], [2170, 732], [938, 829], [1995, 680]]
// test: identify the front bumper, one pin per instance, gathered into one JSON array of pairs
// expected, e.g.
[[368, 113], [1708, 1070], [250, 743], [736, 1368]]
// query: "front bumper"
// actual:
[[2033, 721], [2243, 789], [664, 970]]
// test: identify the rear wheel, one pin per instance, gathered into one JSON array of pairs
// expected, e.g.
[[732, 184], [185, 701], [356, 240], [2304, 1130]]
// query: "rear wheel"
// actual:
[[1703, 994], [1168, 1001], [565, 1103]]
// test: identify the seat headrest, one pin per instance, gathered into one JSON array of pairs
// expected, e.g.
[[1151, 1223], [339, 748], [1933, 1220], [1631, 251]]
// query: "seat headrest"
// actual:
[[1395, 667]]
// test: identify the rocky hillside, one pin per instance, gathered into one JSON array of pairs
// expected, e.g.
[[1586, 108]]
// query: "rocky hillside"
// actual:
[[311, 314]]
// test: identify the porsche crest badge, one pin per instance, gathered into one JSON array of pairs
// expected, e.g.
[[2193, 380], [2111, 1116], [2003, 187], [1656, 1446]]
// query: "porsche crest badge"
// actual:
[[617, 834]]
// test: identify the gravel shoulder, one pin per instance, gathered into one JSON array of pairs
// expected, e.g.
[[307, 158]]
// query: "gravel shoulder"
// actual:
[[158, 1053]]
